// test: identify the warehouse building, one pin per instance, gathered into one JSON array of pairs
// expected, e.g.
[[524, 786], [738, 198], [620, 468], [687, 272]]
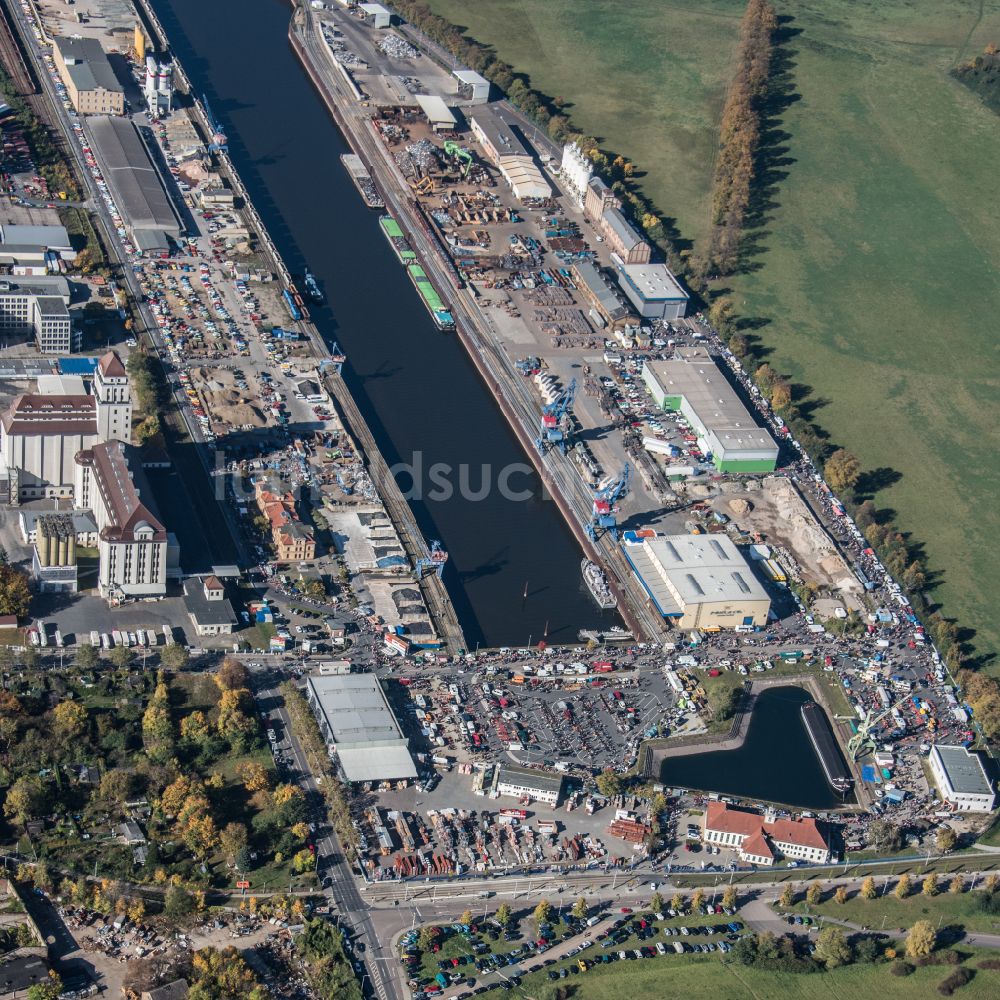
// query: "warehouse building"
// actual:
[[623, 238], [363, 735], [471, 86], [694, 385], [652, 289], [961, 779], [529, 783], [698, 581], [135, 185], [439, 116], [510, 155], [90, 81], [607, 308]]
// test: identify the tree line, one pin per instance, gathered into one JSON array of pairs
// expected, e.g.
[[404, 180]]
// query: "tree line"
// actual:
[[739, 137]]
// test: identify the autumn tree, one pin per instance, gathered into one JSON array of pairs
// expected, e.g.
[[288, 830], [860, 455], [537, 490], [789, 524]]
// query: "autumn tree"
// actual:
[[655, 902], [842, 470], [69, 720], [902, 889], [231, 674], [921, 940], [946, 839], [580, 906], [116, 785], [15, 593], [957, 885], [868, 890], [503, 915], [698, 900], [195, 727], [787, 896], [25, 799], [121, 656], [157, 727], [609, 784], [232, 840], [174, 657], [254, 776], [86, 657], [236, 722], [542, 912], [814, 894], [466, 918], [930, 886], [832, 948], [729, 898], [841, 894]]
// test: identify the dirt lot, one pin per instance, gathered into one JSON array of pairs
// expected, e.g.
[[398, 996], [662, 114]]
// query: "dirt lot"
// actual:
[[780, 515]]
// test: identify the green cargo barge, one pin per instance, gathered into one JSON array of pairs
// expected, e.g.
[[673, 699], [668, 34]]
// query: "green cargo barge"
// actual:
[[442, 317], [392, 232]]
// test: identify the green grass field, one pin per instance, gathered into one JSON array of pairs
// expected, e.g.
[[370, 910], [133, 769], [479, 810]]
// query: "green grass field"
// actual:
[[947, 908], [706, 977], [879, 282]]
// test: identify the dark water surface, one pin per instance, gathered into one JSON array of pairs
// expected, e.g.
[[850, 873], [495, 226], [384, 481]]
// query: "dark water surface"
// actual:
[[776, 762], [416, 387]]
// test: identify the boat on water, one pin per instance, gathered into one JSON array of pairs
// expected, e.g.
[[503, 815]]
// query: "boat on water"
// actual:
[[824, 743], [354, 165], [394, 234], [597, 584], [442, 317], [312, 287]]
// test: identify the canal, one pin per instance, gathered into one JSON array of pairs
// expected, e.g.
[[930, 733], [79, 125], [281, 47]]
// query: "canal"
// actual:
[[419, 392], [776, 762]]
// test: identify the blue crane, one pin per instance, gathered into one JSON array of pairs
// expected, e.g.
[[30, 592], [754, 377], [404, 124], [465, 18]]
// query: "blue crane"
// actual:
[[219, 141], [602, 516], [434, 560], [552, 431]]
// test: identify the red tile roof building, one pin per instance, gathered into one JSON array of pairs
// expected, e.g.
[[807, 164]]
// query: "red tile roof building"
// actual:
[[759, 839]]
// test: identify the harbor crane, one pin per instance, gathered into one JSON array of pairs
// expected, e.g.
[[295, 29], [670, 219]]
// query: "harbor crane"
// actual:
[[551, 431], [453, 149], [862, 742], [219, 143], [602, 517], [433, 561]]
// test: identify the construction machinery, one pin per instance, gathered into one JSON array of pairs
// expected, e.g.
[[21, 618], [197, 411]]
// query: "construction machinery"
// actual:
[[433, 561], [425, 185], [219, 143], [553, 430], [602, 516], [454, 150], [862, 743]]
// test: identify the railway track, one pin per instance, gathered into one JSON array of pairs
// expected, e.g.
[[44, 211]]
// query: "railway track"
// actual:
[[13, 58]]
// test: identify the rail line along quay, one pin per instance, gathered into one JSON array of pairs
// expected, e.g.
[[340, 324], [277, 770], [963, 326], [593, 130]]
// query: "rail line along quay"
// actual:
[[559, 475], [417, 549]]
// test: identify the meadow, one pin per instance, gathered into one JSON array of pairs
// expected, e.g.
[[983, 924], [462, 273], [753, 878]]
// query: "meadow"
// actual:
[[877, 276]]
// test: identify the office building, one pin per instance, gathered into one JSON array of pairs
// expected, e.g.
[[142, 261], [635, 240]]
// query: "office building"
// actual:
[[961, 779], [528, 783], [761, 840], [698, 581], [38, 307], [694, 385], [90, 81]]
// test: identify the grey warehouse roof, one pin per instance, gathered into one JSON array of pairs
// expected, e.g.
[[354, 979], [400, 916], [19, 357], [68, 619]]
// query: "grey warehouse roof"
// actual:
[[600, 289], [527, 777], [134, 182], [355, 717], [53, 237], [964, 770], [88, 64], [700, 569], [499, 133], [622, 228]]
